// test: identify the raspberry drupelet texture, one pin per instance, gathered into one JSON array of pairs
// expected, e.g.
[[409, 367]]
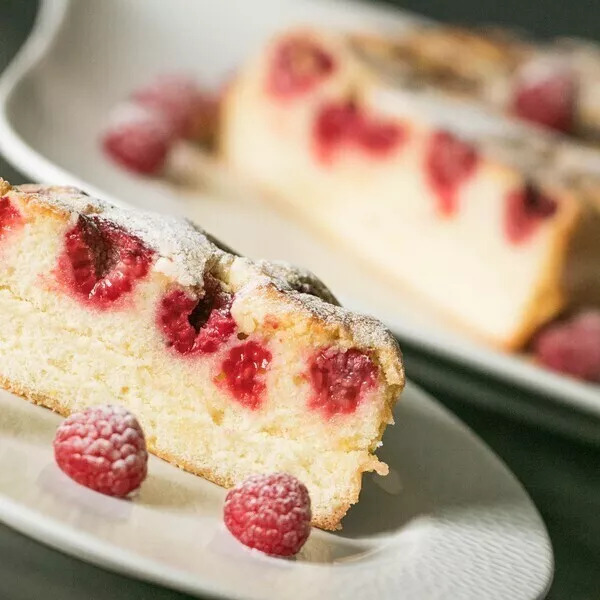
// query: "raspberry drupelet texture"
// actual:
[[340, 379], [270, 513], [244, 369], [104, 449]]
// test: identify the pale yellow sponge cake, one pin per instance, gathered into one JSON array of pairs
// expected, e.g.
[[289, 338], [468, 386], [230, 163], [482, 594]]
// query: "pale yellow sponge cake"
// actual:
[[232, 366], [495, 227]]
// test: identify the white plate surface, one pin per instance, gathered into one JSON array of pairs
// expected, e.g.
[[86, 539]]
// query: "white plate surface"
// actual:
[[450, 521], [85, 57]]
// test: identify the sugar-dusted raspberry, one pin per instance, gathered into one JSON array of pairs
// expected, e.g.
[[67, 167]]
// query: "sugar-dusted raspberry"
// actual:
[[196, 326], [103, 448], [10, 217], [525, 209], [270, 513], [298, 65], [180, 100], [139, 139], [101, 262], [340, 379], [344, 123], [244, 369], [572, 346], [545, 93], [449, 163]]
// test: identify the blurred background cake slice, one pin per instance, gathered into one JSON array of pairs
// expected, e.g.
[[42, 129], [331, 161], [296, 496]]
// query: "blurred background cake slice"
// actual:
[[496, 227]]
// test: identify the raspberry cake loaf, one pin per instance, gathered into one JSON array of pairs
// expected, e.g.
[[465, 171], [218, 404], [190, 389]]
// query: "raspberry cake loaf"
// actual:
[[232, 366], [555, 84], [500, 232]]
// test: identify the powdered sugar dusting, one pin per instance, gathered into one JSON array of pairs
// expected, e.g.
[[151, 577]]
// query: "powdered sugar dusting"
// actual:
[[300, 280], [185, 253]]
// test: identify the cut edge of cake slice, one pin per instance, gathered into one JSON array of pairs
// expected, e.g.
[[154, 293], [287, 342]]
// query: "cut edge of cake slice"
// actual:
[[232, 366]]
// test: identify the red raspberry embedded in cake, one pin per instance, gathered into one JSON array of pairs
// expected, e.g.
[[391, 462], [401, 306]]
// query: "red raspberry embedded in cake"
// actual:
[[181, 101], [449, 163], [524, 211], [379, 137], [344, 123], [101, 262], [244, 369], [196, 326], [139, 139], [103, 448], [572, 347], [270, 513], [545, 93], [10, 217], [334, 123], [299, 64], [340, 379]]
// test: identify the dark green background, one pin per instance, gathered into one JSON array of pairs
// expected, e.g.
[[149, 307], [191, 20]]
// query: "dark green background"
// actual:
[[561, 474], [544, 18]]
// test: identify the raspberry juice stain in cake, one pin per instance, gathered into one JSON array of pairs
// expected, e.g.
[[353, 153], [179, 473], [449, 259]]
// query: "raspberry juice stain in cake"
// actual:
[[449, 163], [101, 263], [298, 65], [339, 124], [524, 210], [10, 217], [340, 379]]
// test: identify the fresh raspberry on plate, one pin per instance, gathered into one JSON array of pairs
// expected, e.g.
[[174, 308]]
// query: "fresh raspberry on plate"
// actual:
[[270, 513], [104, 449], [545, 93], [179, 99], [572, 347], [139, 139]]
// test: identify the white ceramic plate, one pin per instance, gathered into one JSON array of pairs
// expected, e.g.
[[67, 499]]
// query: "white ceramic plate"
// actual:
[[83, 58], [449, 521]]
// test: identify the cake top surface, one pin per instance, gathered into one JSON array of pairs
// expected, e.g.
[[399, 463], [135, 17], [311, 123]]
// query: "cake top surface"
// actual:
[[185, 253]]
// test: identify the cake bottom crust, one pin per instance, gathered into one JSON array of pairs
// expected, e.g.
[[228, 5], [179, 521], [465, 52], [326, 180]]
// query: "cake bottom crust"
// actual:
[[329, 522]]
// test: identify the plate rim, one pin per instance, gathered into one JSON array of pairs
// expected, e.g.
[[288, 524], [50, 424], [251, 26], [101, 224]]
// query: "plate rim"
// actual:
[[487, 361]]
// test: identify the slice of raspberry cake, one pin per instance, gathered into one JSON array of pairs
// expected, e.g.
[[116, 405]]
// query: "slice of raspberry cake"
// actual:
[[498, 231], [232, 366]]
